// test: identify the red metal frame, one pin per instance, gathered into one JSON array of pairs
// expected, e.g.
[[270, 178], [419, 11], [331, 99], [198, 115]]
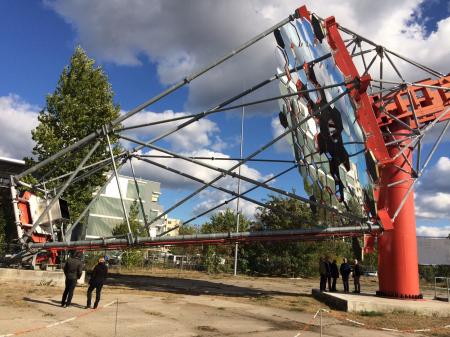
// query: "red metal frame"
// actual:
[[364, 113], [26, 222], [428, 103], [398, 262]]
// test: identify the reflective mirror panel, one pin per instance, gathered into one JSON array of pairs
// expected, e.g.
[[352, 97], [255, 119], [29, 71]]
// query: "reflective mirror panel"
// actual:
[[326, 139]]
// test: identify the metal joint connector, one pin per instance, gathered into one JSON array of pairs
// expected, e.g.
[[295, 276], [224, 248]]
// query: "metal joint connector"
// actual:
[[379, 50]]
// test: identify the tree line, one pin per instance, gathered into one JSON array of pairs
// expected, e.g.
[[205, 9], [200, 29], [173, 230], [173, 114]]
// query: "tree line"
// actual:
[[283, 258]]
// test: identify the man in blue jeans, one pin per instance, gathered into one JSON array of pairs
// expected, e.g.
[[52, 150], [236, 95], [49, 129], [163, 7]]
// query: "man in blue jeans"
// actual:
[[73, 269]]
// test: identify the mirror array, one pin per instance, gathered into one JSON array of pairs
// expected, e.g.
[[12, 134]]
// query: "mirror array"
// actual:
[[326, 138]]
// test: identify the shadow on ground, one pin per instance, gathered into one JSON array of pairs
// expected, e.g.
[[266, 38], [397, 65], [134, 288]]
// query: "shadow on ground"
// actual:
[[188, 286], [50, 302]]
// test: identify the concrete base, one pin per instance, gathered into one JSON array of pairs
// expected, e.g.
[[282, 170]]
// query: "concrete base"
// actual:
[[369, 302], [41, 277]]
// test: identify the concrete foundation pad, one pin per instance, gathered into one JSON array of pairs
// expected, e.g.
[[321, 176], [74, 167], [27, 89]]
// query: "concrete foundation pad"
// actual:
[[369, 302], [54, 278]]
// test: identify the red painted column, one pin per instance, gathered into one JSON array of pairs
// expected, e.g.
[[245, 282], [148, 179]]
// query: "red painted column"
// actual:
[[397, 249]]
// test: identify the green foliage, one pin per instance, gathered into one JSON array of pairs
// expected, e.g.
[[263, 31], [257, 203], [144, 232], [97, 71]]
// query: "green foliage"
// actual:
[[133, 258], [91, 259], [220, 258], [136, 227], [285, 213], [130, 257], [81, 104], [187, 250], [429, 272], [223, 222], [7, 227], [290, 258], [371, 260]]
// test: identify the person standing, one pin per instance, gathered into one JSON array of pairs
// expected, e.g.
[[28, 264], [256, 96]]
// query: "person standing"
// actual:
[[328, 264], [323, 274], [357, 272], [334, 271], [345, 270], [96, 282], [73, 269]]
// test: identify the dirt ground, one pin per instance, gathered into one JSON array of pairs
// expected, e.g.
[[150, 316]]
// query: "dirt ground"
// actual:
[[173, 303]]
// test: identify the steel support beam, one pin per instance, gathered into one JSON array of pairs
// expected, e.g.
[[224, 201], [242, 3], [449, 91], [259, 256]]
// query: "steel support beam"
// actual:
[[217, 238]]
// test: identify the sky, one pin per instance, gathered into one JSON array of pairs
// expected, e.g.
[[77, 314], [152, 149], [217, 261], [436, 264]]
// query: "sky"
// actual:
[[146, 46]]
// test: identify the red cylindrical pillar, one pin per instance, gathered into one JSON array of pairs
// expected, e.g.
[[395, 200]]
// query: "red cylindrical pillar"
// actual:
[[397, 248]]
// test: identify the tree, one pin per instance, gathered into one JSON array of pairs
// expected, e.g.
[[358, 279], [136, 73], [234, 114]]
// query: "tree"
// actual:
[[7, 227], [137, 229], [290, 258], [131, 257], [81, 104], [189, 250], [220, 258], [285, 213], [225, 221]]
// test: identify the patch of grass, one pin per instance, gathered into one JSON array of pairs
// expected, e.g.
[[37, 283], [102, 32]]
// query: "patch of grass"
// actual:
[[371, 313]]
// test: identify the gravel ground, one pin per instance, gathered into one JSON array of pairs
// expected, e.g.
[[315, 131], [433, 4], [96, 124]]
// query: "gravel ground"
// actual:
[[172, 303]]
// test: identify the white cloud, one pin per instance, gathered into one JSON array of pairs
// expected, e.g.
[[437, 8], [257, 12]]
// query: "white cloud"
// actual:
[[181, 37], [200, 134], [17, 119], [172, 180], [282, 146], [432, 196], [434, 179], [433, 231], [202, 138], [433, 206], [209, 197]]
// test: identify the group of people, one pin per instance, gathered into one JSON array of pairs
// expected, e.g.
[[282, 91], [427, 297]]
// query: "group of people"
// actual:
[[329, 273], [73, 269]]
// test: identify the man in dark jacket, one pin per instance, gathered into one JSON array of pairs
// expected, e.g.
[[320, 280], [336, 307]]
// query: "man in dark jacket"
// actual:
[[334, 274], [323, 274], [73, 269], [328, 264], [345, 270], [357, 272], [96, 282]]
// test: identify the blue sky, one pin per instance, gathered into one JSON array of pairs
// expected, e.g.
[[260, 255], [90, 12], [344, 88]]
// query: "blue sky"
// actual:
[[142, 54]]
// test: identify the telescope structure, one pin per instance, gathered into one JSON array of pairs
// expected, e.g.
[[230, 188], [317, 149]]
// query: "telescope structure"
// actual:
[[356, 126]]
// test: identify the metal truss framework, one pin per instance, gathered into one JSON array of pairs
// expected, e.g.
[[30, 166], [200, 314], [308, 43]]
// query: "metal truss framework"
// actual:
[[397, 128], [406, 111]]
